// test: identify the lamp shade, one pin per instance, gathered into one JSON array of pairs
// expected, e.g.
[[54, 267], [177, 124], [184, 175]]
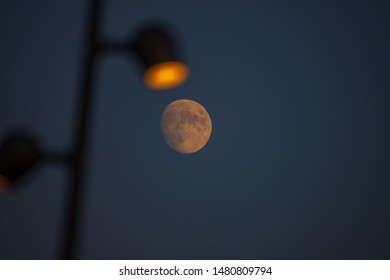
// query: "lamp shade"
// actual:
[[157, 51], [18, 154]]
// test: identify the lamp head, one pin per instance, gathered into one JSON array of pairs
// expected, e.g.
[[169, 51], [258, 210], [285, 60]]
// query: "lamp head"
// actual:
[[18, 154], [156, 49]]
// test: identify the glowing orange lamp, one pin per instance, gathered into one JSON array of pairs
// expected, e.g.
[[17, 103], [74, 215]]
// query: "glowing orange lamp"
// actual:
[[163, 69], [166, 75]]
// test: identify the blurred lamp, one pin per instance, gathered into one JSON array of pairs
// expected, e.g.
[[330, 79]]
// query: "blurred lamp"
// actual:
[[157, 52], [18, 154]]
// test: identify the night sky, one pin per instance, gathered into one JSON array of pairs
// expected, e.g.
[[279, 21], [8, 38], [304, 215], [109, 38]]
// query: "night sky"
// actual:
[[297, 166]]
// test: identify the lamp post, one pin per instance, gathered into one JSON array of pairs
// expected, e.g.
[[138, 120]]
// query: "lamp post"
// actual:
[[162, 70]]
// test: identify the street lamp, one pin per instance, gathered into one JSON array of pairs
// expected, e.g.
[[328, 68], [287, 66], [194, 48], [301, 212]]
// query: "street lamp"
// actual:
[[18, 154], [156, 49], [163, 69]]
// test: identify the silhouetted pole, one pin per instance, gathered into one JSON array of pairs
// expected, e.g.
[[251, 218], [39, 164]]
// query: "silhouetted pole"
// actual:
[[78, 166]]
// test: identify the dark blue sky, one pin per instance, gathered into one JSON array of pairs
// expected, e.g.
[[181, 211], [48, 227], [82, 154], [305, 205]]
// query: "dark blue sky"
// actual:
[[297, 167]]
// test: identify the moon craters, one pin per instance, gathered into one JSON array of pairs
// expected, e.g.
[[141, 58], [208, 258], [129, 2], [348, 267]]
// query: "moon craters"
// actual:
[[186, 126]]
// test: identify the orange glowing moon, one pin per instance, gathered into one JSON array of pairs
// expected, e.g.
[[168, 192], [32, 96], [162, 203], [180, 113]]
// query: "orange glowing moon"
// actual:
[[186, 126]]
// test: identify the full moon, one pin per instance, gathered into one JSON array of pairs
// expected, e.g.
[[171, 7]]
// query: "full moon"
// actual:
[[186, 126]]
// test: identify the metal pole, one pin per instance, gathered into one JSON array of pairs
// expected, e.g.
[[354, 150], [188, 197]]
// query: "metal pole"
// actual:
[[78, 166]]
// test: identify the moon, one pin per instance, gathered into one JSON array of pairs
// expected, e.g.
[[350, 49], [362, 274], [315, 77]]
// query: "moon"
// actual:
[[186, 126]]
